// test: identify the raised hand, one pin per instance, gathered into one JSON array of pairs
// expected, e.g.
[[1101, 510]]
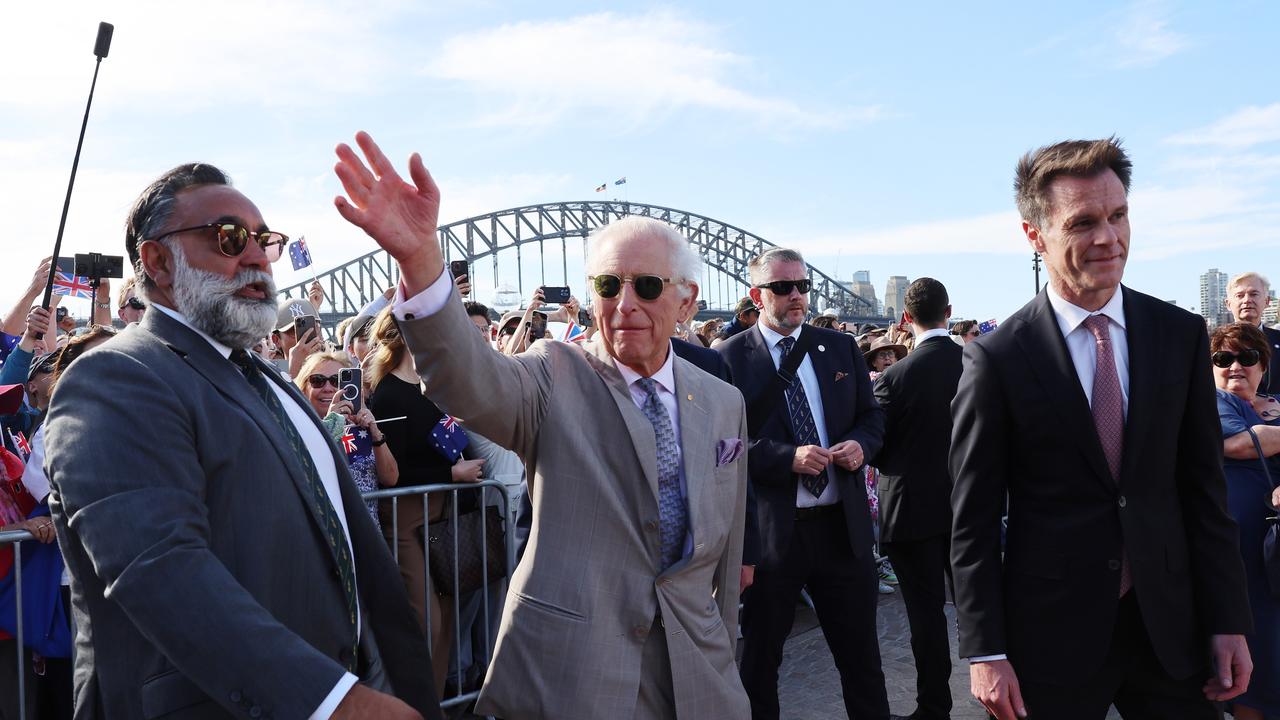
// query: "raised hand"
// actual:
[[400, 216]]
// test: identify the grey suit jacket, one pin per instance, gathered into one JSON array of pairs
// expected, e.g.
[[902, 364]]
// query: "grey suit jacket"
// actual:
[[202, 586], [584, 597]]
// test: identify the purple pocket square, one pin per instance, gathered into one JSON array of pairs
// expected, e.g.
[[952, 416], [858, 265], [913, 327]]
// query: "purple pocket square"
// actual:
[[727, 451]]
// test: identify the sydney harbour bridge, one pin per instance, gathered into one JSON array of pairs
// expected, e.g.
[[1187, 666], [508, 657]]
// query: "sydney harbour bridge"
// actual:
[[519, 238]]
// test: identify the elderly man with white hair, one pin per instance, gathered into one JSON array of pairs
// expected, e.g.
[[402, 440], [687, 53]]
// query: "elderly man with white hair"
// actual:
[[1247, 298], [625, 604]]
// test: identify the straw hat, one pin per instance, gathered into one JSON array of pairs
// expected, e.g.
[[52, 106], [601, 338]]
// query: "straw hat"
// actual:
[[883, 343]]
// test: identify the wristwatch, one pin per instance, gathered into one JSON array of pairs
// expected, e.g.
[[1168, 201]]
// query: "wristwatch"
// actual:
[[104, 306], [379, 442]]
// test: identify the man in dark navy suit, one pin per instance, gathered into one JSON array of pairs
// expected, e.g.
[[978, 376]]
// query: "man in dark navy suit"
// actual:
[[810, 437], [1247, 297], [915, 486]]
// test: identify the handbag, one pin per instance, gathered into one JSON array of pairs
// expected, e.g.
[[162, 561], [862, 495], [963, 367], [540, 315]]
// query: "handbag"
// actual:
[[1271, 539], [474, 561]]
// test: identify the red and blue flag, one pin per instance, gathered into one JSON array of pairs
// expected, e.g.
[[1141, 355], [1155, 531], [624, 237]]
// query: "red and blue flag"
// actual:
[[299, 255], [448, 438]]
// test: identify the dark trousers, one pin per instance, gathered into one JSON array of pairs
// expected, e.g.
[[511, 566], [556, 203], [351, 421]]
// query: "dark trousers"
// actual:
[[924, 576], [843, 589], [1131, 678]]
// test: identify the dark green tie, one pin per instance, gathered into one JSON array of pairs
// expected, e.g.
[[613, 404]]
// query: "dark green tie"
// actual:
[[319, 498]]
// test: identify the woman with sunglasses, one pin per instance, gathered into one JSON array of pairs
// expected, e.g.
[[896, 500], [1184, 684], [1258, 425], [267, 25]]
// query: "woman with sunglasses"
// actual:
[[1240, 356], [318, 381]]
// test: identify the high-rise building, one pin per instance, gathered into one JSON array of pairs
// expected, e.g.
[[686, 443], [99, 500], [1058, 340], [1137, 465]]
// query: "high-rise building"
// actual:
[[1213, 298], [895, 293], [1271, 315], [862, 287]]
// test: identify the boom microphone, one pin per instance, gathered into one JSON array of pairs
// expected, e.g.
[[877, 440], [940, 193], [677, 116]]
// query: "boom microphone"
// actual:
[[100, 48]]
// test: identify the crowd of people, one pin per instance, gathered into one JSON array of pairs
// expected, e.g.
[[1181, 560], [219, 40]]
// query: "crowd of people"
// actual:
[[195, 487]]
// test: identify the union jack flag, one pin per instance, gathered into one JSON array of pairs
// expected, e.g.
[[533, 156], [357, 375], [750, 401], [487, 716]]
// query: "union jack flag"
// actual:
[[24, 447], [574, 333], [448, 439], [72, 285], [349, 442]]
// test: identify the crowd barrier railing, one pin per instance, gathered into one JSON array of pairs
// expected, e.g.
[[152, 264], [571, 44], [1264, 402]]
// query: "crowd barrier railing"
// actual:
[[486, 490]]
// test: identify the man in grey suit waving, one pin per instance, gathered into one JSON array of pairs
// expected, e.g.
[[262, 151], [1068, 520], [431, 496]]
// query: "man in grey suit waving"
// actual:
[[223, 563], [625, 604]]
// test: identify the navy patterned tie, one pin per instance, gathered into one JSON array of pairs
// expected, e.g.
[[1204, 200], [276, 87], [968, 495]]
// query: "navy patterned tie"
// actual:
[[802, 421], [319, 498], [672, 512]]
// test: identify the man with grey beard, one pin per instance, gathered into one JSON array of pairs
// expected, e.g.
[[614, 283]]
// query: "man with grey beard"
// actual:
[[222, 561]]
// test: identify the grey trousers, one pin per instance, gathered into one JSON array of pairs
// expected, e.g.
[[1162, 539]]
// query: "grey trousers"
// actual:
[[657, 696]]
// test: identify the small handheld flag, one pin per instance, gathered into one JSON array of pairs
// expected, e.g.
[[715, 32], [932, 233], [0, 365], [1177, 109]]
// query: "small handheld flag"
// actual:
[[299, 255], [448, 439], [988, 326], [602, 187], [574, 333], [72, 285], [621, 181]]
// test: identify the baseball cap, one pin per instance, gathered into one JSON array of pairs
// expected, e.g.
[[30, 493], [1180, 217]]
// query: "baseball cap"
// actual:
[[289, 310], [515, 315], [744, 305], [10, 399]]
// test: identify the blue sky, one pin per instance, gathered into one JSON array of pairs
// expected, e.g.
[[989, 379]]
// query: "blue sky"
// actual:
[[870, 136]]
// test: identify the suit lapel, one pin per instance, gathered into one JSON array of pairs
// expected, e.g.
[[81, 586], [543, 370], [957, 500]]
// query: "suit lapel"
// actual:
[[645, 443], [1141, 340], [695, 439], [762, 369], [824, 369], [227, 380], [1050, 361]]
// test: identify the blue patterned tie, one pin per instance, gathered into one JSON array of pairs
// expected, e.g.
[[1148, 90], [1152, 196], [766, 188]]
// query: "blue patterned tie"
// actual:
[[319, 498], [672, 511], [802, 421]]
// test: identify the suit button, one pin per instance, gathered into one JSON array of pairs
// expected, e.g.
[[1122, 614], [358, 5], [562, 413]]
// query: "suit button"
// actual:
[[235, 696], [409, 316], [1113, 564], [651, 526], [640, 632], [255, 712], [1123, 502]]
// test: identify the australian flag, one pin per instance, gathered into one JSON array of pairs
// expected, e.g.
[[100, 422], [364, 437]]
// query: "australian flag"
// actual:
[[299, 255], [621, 181], [448, 439], [988, 326]]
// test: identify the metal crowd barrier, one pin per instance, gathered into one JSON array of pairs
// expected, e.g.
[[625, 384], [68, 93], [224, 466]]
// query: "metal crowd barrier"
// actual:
[[17, 537]]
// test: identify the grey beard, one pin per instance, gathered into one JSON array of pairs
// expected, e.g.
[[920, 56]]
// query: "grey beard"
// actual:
[[209, 302]]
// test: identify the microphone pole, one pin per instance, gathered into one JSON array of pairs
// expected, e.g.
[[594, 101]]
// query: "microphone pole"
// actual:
[[100, 48]]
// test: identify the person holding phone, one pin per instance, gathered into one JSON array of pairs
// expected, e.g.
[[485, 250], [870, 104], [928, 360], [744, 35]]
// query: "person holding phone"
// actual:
[[296, 346], [370, 460]]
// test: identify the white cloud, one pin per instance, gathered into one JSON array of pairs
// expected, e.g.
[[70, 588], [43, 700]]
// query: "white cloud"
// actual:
[[1244, 128], [1142, 36], [627, 69], [998, 232]]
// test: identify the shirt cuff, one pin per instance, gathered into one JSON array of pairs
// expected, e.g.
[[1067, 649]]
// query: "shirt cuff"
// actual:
[[339, 691], [428, 302], [987, 658]]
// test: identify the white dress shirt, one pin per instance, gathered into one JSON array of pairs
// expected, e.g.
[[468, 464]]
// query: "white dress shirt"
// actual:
[[809, 381], [437, 295], [322, 458], [1083, 348]]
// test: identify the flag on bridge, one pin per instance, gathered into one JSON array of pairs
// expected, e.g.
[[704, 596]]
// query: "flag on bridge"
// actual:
[[299, 255], [988, 326], [72, 285], [448, 439], [621, 181], [602, 187]]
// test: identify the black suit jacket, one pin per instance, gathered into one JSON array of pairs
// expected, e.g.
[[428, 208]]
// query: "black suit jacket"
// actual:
[[915, 482], [1271, 383], [851, 413], [1023, 427]]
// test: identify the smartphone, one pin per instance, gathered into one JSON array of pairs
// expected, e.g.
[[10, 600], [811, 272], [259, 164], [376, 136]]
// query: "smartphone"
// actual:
[[556, 295], [302, 324], [351, 385], [458, 268]]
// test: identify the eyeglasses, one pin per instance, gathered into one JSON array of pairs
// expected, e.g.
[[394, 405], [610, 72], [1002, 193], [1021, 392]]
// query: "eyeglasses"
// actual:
[[1225, 359], [233, 239], [134, 303], [648, 287], [784, 287], [317, 381]]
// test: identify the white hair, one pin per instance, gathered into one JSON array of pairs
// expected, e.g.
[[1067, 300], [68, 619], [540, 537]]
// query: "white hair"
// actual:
[[1246, 277], [686, 265]]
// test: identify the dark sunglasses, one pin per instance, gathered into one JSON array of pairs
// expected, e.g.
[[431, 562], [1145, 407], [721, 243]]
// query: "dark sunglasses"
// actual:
[[784, 287], [648, 287], [317, 381], [1247, 358], [134, 303], [233, 239]]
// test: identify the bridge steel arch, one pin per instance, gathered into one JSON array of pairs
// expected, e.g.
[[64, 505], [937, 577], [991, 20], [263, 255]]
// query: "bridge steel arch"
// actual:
[[725, 249]]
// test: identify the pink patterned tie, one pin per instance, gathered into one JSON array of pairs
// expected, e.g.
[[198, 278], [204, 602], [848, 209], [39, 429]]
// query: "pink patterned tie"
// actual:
[[1108, 413]]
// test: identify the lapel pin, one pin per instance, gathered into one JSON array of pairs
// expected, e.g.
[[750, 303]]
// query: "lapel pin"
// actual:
[[689, 396], [822, 348]]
